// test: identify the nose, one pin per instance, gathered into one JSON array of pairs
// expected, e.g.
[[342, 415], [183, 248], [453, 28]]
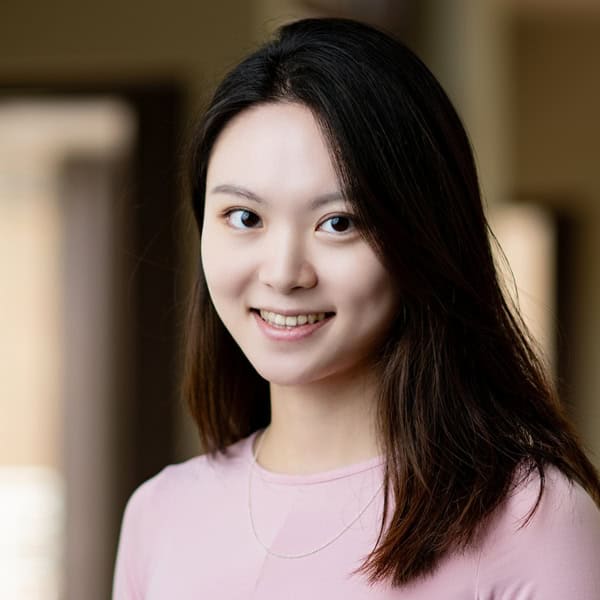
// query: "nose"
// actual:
[[285, 265]]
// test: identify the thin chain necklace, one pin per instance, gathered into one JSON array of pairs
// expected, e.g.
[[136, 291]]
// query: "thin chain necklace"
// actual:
[[303, 554]]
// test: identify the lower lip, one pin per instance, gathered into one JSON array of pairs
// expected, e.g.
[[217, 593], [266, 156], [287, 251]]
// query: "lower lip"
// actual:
[[288, 333]]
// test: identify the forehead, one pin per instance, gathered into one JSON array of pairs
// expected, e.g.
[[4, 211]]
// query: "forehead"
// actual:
[[273, 149]]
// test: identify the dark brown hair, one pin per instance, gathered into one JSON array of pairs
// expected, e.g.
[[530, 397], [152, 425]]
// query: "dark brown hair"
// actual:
[[464, 399]]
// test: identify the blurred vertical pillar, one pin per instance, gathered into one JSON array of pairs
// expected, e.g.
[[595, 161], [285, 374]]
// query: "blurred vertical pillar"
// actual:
[[467, 45], [59, 234], [32, 482], [96, 402]]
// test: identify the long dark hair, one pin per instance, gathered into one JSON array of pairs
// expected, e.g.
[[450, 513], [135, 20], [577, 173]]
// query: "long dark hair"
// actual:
[[464, 399]]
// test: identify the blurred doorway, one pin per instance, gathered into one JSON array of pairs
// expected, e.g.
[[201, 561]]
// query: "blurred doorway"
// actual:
[[88, 199]]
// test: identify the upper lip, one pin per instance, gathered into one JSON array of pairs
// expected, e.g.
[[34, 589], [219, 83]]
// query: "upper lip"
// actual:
[[293, 312]]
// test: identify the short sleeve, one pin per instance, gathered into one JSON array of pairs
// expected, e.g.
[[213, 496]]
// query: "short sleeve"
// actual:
[[132, 552], [555, 556]]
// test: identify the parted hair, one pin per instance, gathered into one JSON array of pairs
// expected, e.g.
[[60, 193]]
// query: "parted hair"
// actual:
[[464, 399]]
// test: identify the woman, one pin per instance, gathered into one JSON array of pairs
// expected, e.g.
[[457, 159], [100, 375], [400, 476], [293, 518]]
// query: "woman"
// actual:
[[375, 420]]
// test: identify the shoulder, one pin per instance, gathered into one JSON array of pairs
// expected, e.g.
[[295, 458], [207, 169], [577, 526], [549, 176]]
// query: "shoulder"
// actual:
[[176, 490], [171, 500], [553, 554], [176, 481]]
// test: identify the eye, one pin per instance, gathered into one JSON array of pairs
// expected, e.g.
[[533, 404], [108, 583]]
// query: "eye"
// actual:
[[338, 224], [240, 218]]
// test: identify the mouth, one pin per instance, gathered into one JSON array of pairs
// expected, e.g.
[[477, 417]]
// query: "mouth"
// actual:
[[291, 320]]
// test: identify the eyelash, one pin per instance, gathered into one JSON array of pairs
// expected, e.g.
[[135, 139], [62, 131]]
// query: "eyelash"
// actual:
[[227, 216]]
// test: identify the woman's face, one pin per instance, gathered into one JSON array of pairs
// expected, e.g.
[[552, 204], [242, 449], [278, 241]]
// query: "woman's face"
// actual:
[[278, 240]]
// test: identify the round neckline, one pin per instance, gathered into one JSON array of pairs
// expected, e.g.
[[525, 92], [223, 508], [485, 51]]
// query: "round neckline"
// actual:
[[308, 478]]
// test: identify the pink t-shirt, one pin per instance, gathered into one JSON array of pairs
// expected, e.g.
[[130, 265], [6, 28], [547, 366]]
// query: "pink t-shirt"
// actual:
[[187, 534]]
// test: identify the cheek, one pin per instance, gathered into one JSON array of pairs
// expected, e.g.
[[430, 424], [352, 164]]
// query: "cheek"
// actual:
[[371, 307], [224, 269], [361, 284]]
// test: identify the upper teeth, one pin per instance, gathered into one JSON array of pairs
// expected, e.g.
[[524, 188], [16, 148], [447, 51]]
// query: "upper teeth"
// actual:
[[290, 321]]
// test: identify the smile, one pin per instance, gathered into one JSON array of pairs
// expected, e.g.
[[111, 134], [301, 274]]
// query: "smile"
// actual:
[[275, 326], [280, 320]]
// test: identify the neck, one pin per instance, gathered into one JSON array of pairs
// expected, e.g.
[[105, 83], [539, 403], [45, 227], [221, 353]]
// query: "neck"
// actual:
[[320, 426]]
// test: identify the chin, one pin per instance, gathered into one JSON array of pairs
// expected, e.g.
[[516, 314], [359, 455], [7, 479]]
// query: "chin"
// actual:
[[285, 379], [294, 374]]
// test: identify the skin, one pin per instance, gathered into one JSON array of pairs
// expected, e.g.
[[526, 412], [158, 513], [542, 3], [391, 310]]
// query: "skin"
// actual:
[[288, 254]]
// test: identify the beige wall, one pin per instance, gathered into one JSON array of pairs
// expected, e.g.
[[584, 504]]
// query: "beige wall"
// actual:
[[557, 159], [70, 40]]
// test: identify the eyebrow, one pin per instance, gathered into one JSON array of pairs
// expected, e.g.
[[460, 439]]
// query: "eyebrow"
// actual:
[[237, 190]]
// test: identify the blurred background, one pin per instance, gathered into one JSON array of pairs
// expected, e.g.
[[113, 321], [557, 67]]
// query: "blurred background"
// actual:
[[98, 250]]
